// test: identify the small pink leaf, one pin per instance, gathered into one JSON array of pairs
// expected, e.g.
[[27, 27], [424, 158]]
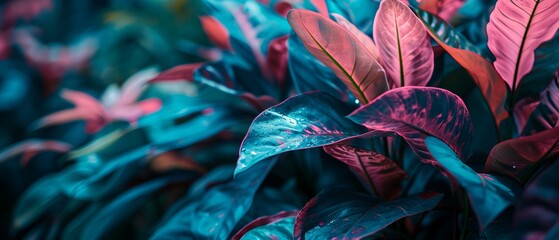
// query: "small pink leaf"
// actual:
[[363, 38], [515, 29], [382, 175], [342, 52], [133, 87], [445, 9], [519, 157], [320, 6], [403, 44], [217, 33], [181, 72], [32, 146], [131, 113]]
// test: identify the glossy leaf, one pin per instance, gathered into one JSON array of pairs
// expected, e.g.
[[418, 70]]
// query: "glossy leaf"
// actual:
[[491, 85], [546, 114], [403, 45], [183, 72], [216, 210], [347, 56], [417, 112], [520, 157], [537, 214], [296, 124], [445, 9], [342, 214], [29, 148], [278, 225], [515, 30], [216, 32], [489, 195], [381, 174]]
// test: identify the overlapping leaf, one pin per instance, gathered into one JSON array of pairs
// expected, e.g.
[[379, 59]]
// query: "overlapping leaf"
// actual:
[[346, 55], [277, 226]]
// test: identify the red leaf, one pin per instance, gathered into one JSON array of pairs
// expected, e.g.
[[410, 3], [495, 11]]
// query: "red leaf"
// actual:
[[31, 147], [341, 51], [519, 157], [515, 29], [381, 173], [217, 33], [182, 72], [403, 44], [277, 58]]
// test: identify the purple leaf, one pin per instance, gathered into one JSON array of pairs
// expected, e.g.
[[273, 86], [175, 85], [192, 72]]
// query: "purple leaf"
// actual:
[[342, 52], [403, 44], [520, 157], [382, 175], [515, 29], [546, 114], [417, 112]]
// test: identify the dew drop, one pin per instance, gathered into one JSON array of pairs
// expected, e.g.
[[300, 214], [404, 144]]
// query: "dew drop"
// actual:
[[252, 153]]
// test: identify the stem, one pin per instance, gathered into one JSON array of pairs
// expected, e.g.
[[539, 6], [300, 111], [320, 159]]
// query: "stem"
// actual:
[[466, 217]]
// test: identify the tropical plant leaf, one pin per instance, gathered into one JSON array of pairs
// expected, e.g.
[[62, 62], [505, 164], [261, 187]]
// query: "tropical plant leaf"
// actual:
[[342, 214], [489, 195], [380, 173], [183, 72], [347, 56], [537, 215], [217, 209], [417, 112], [445, 9], [30, 147], [362, 37], [279, 226], [296, 124], [519, 158], [546, 114], [403, 45], [216, 32], [491, 85], [515, 30]]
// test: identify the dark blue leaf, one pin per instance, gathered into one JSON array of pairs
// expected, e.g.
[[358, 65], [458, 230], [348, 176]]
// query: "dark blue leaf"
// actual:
[[342, 214]]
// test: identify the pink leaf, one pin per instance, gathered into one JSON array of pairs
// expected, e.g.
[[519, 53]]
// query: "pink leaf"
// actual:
[[342, 52], [65, 116], [378, 171], [217, 33], [445, 9], [546, 114], [320, 6], [403, 44], [82, 100], [417, 112], [133, 87], [363, 38], [32, 146], [515, 29], [182, 72], [131, 113], [522, 111], [519, 157]]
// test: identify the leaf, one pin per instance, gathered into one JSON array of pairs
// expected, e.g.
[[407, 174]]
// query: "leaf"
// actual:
[[403, 45], [493, 88], [31, 147], [362, 37], [342, 214], [381, 173], [546, 114], [445, 9], [519, 158], [309, 74], [277, 58], [216, 210], [489, 195], [537, 214], [296, 124], [183, 72], [279, 226], [216, 32], [347, 56], [515, 30], [417, 112]]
